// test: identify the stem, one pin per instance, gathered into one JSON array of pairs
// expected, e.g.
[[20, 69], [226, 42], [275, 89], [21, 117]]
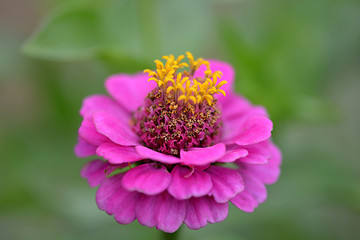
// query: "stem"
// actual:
[[170, 236]]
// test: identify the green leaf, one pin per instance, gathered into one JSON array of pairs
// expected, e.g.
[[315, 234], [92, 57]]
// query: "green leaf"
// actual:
[[114, 31], [71, 32]]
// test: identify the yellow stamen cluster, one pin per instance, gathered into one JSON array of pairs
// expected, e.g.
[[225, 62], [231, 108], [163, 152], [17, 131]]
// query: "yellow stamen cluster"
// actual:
[[194, 65], [165, 73], [183, 86]]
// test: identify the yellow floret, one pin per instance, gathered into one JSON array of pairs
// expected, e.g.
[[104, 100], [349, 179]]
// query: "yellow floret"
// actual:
[[172, 83]]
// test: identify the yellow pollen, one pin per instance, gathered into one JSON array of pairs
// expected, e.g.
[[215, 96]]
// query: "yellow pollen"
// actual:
[[182, 86]]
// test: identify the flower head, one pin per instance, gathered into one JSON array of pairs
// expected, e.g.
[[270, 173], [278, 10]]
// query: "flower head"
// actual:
[[186, 144]]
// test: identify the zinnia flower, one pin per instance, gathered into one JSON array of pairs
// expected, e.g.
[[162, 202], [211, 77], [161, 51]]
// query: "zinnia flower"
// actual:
[[177, 145]]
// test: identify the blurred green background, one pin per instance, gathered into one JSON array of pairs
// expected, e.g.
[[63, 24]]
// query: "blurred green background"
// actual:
[[301, 59]]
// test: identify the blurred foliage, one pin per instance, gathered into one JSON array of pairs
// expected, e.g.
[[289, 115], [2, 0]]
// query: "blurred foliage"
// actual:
[[298, 58], [281, 61]]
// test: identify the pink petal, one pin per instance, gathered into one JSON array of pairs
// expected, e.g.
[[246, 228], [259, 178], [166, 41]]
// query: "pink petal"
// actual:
[[171, 213], [95, 172], [257, 129], [254, 193], [258, 154], [150, 179], [202, 156], [204, 209], [245, 202], [162, 211], [145, 209], [156, 156], [267, 173], [117, 154], [233, 152], [254, 186], [275, 153], [114, 129], [96, 103], [186, 184], [84, 149], [226, 183], [88, 132], [129, 90], [234, 106], [236, 124], [106, 191], [124, 206], [114, 199]]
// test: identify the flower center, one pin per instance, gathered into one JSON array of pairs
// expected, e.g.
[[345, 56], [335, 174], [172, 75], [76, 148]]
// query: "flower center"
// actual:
[[181, 112]]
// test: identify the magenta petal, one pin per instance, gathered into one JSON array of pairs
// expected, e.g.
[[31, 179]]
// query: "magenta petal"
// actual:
[[84, 149], [124, 206], [234, 106], [202, 156], [226, 183], [254, 186], [114, 199], [88, 132], [233, 152], [245, 202], [256, 129], [171, 213], [237, 124], [162, 211], [150, 179], [103, 103], [267, 173], [145, 210], [156, 156], [258, 154], [95, 172], [106, 191], [276, 157], [185, 184], [114, 129], [204, 209], [117, 154], [129, 90]]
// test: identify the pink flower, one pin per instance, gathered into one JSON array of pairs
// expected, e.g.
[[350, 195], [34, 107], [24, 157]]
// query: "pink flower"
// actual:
[[183, 154]]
